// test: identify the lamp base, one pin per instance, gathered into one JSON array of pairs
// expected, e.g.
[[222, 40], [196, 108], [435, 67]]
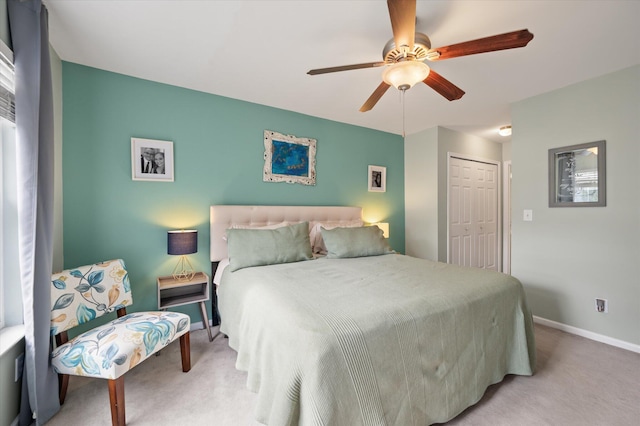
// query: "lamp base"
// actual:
[[183, 270]]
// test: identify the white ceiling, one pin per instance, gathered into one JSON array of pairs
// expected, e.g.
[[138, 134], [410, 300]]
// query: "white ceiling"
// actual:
[[260, 51]]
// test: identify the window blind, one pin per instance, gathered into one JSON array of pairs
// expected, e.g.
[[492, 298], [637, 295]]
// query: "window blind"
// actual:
[[7, 85]]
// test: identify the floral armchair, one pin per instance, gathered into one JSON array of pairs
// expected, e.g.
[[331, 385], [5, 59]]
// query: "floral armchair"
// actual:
[[83, 294]]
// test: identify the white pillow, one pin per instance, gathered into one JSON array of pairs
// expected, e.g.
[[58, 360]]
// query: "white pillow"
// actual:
[[251, 226], [315, 236]]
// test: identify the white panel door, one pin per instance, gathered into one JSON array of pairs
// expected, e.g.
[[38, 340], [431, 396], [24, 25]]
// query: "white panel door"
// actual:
[[486, 214], [473, 213], [460, 208]]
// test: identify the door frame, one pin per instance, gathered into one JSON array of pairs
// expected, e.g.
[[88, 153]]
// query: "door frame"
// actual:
[[499, 224], [507, 218]]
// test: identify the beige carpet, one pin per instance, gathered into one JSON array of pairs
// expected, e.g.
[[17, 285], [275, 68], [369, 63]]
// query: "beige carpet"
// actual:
[[579, 382]]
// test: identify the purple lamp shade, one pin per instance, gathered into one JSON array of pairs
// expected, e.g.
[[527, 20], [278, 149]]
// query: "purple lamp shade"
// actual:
[[182, 242]]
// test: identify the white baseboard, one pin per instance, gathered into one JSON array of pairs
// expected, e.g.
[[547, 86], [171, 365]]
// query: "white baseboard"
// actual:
[[588, 334], [549, 323]]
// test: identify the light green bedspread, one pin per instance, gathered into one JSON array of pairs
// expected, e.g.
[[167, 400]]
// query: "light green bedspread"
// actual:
[[382, 340]]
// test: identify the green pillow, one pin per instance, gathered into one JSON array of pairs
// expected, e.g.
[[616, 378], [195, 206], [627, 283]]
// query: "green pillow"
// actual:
[[355, 242], [258, 247]]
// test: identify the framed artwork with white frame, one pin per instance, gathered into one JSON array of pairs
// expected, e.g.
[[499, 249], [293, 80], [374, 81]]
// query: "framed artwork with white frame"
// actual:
[[151, 160], [377, 178], [289, 159]]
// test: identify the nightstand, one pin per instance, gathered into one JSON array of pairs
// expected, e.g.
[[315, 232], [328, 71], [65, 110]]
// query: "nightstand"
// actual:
[[172, 292]]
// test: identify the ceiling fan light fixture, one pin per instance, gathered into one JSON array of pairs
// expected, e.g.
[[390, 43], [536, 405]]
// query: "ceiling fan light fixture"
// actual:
[[504, 131], [404, 75]]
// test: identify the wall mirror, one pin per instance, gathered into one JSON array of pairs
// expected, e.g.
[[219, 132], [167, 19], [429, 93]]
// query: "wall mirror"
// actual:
[[577, 175]]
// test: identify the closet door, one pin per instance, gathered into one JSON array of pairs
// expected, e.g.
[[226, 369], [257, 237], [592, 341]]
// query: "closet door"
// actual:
[[460, 212], [486, 215], [473, 213]]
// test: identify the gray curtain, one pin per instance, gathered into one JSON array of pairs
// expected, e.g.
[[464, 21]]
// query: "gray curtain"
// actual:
[[35, 151]]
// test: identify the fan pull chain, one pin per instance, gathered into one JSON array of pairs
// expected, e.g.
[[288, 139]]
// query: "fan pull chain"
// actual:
[[403, 119]]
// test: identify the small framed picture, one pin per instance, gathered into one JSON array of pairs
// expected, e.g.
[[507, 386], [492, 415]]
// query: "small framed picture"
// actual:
[[151, 160], [377, 177], [577, 175]]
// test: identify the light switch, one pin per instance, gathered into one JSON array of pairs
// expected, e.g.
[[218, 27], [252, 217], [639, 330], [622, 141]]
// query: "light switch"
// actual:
[[527, 215]]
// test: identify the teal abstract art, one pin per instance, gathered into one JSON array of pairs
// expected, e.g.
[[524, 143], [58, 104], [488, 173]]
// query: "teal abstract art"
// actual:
[[290, 159]]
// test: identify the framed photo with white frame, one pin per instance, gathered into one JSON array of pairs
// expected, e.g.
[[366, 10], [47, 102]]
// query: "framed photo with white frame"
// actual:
[[151, 160], [377, 178]]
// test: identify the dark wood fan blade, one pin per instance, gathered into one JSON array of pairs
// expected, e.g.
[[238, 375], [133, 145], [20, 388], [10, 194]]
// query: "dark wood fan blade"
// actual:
[[345, 68], [443, 86], [375, 97], [510, 40], [403, 21]]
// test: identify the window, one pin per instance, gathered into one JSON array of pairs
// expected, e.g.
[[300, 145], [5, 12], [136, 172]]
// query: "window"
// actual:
[[10, 314]]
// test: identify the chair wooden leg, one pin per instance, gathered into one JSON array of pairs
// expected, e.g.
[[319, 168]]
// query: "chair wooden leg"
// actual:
[[63, 384], [63, 379], [185, 350], [116, 396]]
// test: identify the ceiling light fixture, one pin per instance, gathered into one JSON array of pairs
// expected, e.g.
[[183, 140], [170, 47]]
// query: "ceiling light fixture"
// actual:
[[404, 75], [505, 131]]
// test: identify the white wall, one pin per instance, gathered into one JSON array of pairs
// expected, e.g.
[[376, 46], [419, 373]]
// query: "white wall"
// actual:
[[421, 194], [506, 151], [566, 257], [425, 168], [450, 141]]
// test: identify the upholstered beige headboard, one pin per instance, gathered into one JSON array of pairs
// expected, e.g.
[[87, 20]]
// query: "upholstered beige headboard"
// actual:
[[222, 217]]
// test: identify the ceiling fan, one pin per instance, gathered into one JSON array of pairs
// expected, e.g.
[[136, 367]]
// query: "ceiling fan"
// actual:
[[404, 55]]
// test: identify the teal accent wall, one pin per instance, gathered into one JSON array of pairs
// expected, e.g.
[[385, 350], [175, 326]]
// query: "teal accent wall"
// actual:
[[218, 150]]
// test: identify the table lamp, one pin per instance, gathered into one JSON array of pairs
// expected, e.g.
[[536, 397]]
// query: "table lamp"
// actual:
[[181, 243], [385, 228]]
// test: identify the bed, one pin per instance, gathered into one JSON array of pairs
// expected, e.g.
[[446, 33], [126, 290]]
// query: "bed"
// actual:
[[353, 336]]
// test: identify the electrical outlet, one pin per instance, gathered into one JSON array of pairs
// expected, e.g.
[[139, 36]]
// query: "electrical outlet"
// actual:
[[602, 305], [19, 364]]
